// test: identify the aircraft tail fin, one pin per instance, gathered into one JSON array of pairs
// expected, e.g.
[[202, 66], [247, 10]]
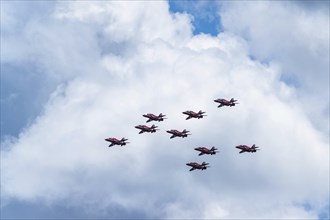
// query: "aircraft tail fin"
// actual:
[[254, 147]]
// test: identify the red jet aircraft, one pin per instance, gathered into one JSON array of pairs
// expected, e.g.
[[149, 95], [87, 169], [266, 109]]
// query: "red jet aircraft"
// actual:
[[145, 128], [204, 150], [245, 148], [115, 141], [192, 114], [224, 102], [197, 166], [176, 133], [152, 117]]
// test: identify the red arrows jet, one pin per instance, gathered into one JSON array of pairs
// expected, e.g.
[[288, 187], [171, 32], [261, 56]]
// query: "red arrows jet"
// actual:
[[224, 102], [245, 148], [152, 117], [145, 128], [192, 114], [197, 166], [115, 141], [176, 133], [204, 150]]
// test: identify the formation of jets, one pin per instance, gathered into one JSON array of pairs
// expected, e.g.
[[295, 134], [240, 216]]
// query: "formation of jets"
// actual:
[[184, 133]]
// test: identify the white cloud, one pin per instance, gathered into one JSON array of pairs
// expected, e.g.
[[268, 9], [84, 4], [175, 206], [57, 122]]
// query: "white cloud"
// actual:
[[297, 38], [152, 63], [146, 21]]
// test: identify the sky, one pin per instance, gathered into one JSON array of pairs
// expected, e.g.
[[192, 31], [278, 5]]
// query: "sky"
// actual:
[[76, 72]]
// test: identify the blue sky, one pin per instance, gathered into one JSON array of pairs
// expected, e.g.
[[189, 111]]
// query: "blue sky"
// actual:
[[73, 73], [206, 15]]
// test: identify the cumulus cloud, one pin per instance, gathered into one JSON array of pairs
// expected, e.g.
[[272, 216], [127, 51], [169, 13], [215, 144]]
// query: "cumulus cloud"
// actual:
[[117, 61], [294, 36]]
